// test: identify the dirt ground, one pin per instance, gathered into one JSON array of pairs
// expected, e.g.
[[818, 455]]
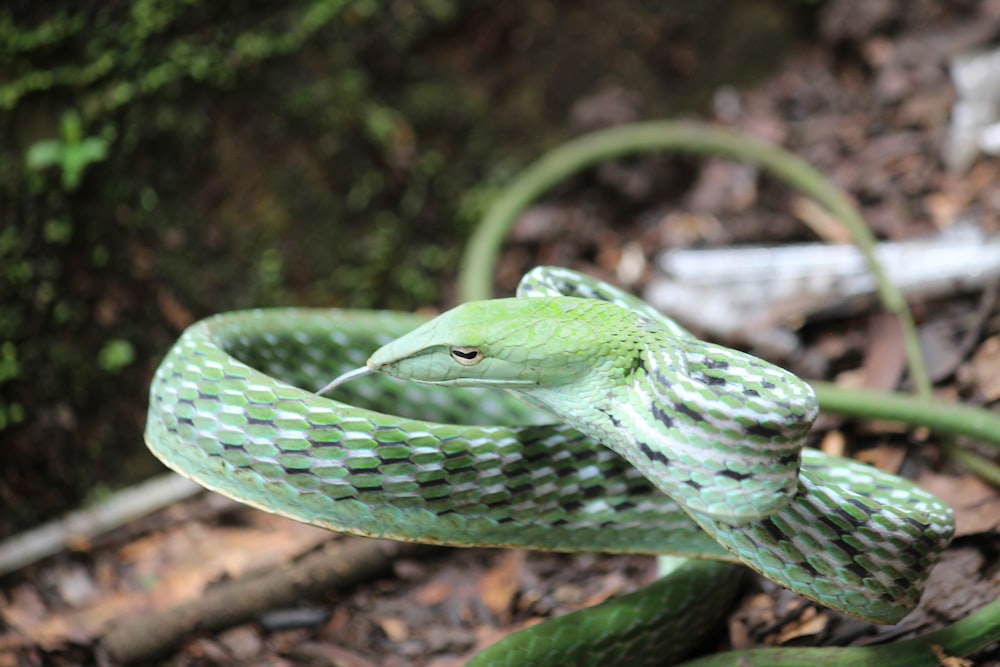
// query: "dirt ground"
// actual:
[[868, 102]]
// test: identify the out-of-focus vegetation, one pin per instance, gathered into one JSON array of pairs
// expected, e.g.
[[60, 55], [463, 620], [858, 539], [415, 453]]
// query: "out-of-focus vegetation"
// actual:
[[161, 160]]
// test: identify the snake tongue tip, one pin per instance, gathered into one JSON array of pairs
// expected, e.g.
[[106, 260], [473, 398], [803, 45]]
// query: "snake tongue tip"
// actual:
[[340, 379]]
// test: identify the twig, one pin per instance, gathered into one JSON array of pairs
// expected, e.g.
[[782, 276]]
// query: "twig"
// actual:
[[980, 466], [340, 564], [939, 416], [82, 525]]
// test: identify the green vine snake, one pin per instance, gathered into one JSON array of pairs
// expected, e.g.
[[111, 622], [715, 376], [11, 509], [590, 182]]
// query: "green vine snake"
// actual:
[[618, 431]]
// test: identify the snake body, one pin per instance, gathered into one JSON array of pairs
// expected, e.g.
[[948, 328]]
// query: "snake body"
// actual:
[[702, 446]]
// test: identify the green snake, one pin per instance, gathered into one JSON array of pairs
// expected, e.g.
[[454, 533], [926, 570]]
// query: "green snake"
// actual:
[[702, 451], [639, 438]]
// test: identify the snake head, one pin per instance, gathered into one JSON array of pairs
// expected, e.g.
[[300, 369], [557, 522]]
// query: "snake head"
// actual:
[[515, 344]]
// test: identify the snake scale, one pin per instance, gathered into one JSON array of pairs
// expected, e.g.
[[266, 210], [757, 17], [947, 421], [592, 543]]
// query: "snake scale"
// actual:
[[702, 452]]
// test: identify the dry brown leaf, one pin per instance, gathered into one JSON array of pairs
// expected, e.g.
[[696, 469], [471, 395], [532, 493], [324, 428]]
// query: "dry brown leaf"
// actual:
[[610, 585], [976, 503], [8, 659], [183, 562], [885, 357], [944, 207], [501, 584], [77, 625], [834, 443], [394, 628], [435, 592], [242, 642], [943, 354], [810, 623], [23, 606], [83, 625], [887, 458], [986, 368]]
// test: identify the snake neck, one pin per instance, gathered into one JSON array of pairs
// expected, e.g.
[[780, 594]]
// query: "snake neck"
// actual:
[[669, 411]]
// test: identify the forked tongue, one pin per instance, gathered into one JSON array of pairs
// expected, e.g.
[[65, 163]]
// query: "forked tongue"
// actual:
[[341, 379]]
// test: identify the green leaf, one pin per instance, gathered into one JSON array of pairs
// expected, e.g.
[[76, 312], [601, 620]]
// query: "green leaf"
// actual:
[[116, 355], [44, 154]]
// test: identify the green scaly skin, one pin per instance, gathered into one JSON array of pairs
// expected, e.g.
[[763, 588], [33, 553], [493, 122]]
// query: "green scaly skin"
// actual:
[[719, 431], [227, 412]]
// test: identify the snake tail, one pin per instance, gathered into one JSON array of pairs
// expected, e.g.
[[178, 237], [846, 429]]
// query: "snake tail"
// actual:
[[659, 624]]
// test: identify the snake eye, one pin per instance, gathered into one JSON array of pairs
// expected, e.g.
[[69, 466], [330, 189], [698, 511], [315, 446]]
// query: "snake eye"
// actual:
[[467, 356]]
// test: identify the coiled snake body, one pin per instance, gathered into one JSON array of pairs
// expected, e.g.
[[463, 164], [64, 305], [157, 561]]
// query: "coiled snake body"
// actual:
[[702, 452]]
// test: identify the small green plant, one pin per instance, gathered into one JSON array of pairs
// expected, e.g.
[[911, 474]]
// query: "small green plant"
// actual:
[[116, 355], [73, 152]]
